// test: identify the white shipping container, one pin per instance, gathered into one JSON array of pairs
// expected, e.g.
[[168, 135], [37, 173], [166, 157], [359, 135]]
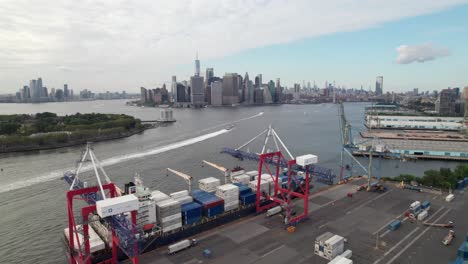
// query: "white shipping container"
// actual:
[[274, 210], [179, 194], [449, 198], [117, 205], [252, 173], [347, 254], [171, 249], [415, 205], [184, 200], [171, 217], [264, 186], [95, 242], [172, 227], [340, 260], [422, 215], [305, 160], [334, 241], [244, 179], [158, 196]]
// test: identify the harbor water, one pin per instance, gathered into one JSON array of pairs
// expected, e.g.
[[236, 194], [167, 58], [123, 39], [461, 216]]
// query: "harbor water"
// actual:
[[32, 196]]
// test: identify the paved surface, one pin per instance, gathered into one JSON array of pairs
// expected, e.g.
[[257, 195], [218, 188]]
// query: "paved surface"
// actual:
[[359, 219]]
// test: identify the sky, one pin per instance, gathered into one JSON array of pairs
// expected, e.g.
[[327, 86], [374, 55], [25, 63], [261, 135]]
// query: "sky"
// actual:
[[115, 45]]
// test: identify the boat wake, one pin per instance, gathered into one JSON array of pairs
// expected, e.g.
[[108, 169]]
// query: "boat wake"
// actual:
[[114, 160], [118, 159]]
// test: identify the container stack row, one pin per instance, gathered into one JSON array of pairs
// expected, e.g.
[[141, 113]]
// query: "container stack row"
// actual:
[[191, 213], [246, 195], [264, 186], [169, 214], [244, 179], [212, 205], [329, 245], [209, 184], [230, 194], [182, 197]]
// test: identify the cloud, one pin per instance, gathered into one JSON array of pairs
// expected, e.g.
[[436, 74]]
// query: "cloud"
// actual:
[[419, 53], [134, 43]]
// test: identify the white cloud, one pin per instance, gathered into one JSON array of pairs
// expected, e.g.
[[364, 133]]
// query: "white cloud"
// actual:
[[419, 53], [124, 44]]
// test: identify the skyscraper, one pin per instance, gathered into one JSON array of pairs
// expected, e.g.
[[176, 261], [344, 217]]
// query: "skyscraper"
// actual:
[[258, 81], [197, 66], [197, 92], [217, 93], [230, 89], [245, 89], [379, 85], [209, 75], [33, 89], [66, 92], [174, 88]]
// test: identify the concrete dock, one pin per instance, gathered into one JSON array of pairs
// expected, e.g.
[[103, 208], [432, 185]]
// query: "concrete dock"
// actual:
[[362, 220]]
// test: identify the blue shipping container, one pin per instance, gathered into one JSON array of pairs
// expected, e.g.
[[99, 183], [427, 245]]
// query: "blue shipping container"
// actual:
[[191, 213], [425, 204], [243, 189], [214, 211], [394, 225], [249, 198]]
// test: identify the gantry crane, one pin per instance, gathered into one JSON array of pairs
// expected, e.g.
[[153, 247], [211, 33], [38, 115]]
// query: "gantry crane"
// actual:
[[124, 231], [184, 176]]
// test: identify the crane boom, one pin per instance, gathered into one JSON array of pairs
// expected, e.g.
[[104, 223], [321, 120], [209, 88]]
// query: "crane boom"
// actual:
[[225, 171], [184, 176]]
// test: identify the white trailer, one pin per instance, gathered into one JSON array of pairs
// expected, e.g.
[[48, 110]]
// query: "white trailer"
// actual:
[[274, 210], [181, 245]]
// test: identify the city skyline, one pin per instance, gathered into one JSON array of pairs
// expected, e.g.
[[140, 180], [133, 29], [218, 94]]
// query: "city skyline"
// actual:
[[404, 43]]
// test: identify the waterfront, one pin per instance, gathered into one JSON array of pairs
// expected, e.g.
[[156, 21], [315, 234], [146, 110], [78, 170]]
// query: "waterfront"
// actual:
[[32, 195]]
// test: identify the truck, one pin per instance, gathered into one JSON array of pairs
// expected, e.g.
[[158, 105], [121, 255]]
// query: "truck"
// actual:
[[181, 245], [448, 238], [274, 210]]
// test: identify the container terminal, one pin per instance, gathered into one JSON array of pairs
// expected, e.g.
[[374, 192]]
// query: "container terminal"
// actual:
[[406, 137], [264, 215]]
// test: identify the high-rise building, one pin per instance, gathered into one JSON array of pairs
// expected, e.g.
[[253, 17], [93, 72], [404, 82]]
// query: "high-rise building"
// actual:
[[251, 92], [26, 93], [39, 87], [230, 89], [240, 82], [446, 104], [267, 98], [174, 88], [209, 75], [217, 93], [34, 91], [245, 89], [143, 95], [379, 86], [272, 90], [297, 91], [197, 66], [66, 92], [258, 81], [197, 93], [415, 91]]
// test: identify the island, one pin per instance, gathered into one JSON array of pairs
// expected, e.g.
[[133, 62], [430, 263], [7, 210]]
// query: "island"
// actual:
[[47, 130]]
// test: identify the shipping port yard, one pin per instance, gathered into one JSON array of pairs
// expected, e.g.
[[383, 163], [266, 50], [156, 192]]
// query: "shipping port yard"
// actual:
[[271, 214]]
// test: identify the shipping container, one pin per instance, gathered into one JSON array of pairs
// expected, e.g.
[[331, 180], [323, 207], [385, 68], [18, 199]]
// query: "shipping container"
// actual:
[[158, 196], [209, 184], [179, 194], [449, 198], [117, 205], [394, 225], [244, 178], [181, 245], [341, 260], [426, 205], [243, 188], [422, 215], [274, 211], [305, 160], [95, 242], [248, 198], [460, 184], [347, 254]]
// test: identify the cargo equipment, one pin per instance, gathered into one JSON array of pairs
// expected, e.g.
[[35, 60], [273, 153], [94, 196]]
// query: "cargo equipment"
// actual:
[[446, 225], [448, 238], [181, 245]]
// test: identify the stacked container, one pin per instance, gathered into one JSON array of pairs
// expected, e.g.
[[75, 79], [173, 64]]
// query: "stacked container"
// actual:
[[158, 196], [95, 242], [319, 247], [246, 196], [212, 205], [269, 179], [230, 194], [244, 179], [334, 246], [169, 214], [182, 197], [264, 186], [252, 174], [191, 213], [209, 184]]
